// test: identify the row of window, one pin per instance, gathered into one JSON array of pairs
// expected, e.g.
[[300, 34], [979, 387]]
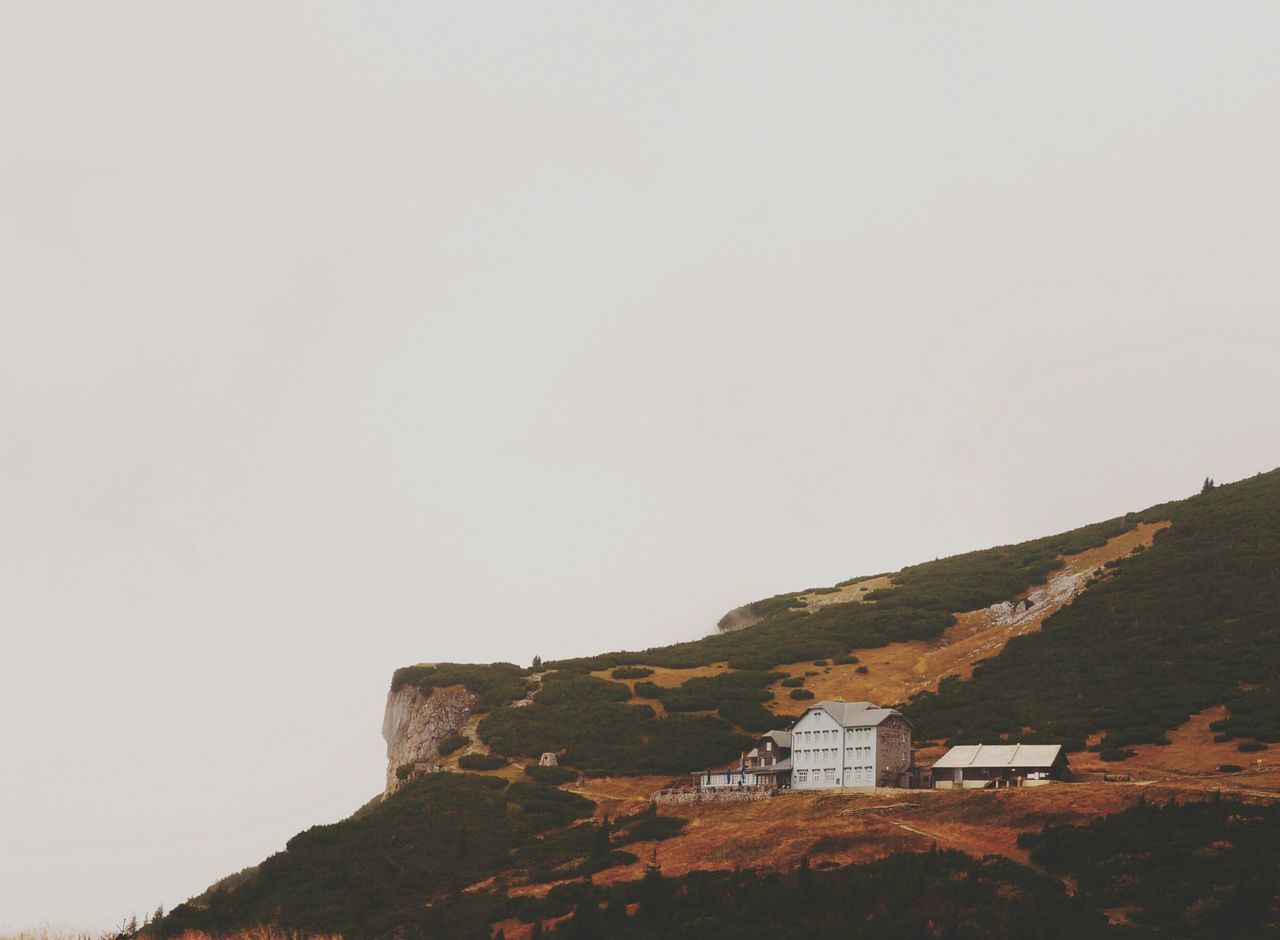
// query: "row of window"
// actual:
[[828, 736], [857, 776], [824, 754], [816, 776]]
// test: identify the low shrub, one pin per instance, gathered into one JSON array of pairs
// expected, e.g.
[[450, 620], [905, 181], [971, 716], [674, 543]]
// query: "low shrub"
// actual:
[[749, 715], [481, 761], [801, 694], [1114, 754], [794, 682], [862, 670], [848, 660], [1229, 768], [648, 826], [494, 685], [550, 775], [453, 742], [631, 672], [649, 690], [1250, 747]]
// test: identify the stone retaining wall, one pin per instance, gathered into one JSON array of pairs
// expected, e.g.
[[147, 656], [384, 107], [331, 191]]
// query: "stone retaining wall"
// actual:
[[743, 795]]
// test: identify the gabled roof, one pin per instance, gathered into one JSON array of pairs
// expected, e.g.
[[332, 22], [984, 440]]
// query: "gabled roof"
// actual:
[[780, 738], [856, 714], [999, 755]]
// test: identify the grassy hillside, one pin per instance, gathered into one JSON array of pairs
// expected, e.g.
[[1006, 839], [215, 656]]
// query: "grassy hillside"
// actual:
[[1187, 624], [1191, 622], [378, 869], [1206, 869], [588, 720]]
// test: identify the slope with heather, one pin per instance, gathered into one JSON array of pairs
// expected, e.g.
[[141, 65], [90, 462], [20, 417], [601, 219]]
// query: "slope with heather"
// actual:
[[1114, 639]]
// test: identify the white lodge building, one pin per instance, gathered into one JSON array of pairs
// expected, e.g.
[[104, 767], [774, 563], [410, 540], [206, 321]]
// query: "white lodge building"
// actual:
[[849, 744]]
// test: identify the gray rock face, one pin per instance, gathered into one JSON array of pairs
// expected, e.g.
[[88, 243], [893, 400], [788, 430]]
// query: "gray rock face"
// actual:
[[414, 725], [738, 619]]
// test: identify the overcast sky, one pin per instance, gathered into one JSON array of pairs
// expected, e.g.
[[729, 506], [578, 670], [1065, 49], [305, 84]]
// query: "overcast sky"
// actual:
[[335, 338]]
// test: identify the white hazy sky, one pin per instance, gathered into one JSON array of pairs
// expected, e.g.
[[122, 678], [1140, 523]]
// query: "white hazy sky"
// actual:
[[336, 337]]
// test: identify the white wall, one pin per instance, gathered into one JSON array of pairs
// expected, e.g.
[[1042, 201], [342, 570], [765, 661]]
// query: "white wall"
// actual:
[[828, 749]]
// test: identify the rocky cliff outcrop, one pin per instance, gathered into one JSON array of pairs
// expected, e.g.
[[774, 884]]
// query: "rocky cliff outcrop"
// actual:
[[414, 725], [738, 619]]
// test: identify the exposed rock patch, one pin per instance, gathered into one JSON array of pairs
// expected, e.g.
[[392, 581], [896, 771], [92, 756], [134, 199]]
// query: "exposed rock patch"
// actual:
[[414, 725], [738, 619]]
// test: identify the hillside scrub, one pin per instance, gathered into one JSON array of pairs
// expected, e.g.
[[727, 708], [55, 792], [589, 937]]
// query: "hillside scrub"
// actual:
[[1166, 633], [481, 761], [763, 608], [902, 896], [367, 876], [1201, 869], [586, 715], [737, 696], [452, 742], [494, 685], [587, 720], [631, 672], [919, 607], [554, 775]]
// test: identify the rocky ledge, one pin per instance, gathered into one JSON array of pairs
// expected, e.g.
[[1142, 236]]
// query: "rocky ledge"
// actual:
[[414, 725]]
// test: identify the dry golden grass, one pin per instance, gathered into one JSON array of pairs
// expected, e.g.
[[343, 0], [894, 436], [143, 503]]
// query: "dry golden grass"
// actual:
[[901, 670], [1191, 750], [855, 827], [622, 796]]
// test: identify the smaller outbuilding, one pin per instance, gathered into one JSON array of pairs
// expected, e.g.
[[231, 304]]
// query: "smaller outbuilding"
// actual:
[[978, 766], [766, 766], [548, 759]]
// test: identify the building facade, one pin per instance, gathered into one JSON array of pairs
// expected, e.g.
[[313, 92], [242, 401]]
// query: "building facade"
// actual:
[[768, 765], [979, 766], [843, 745]]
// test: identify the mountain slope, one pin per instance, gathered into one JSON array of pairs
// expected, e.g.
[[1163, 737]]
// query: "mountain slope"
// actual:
[[1183, 617]]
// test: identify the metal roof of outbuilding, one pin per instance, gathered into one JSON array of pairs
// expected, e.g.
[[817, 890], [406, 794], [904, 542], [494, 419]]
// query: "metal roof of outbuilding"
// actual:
[[999, 755]]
